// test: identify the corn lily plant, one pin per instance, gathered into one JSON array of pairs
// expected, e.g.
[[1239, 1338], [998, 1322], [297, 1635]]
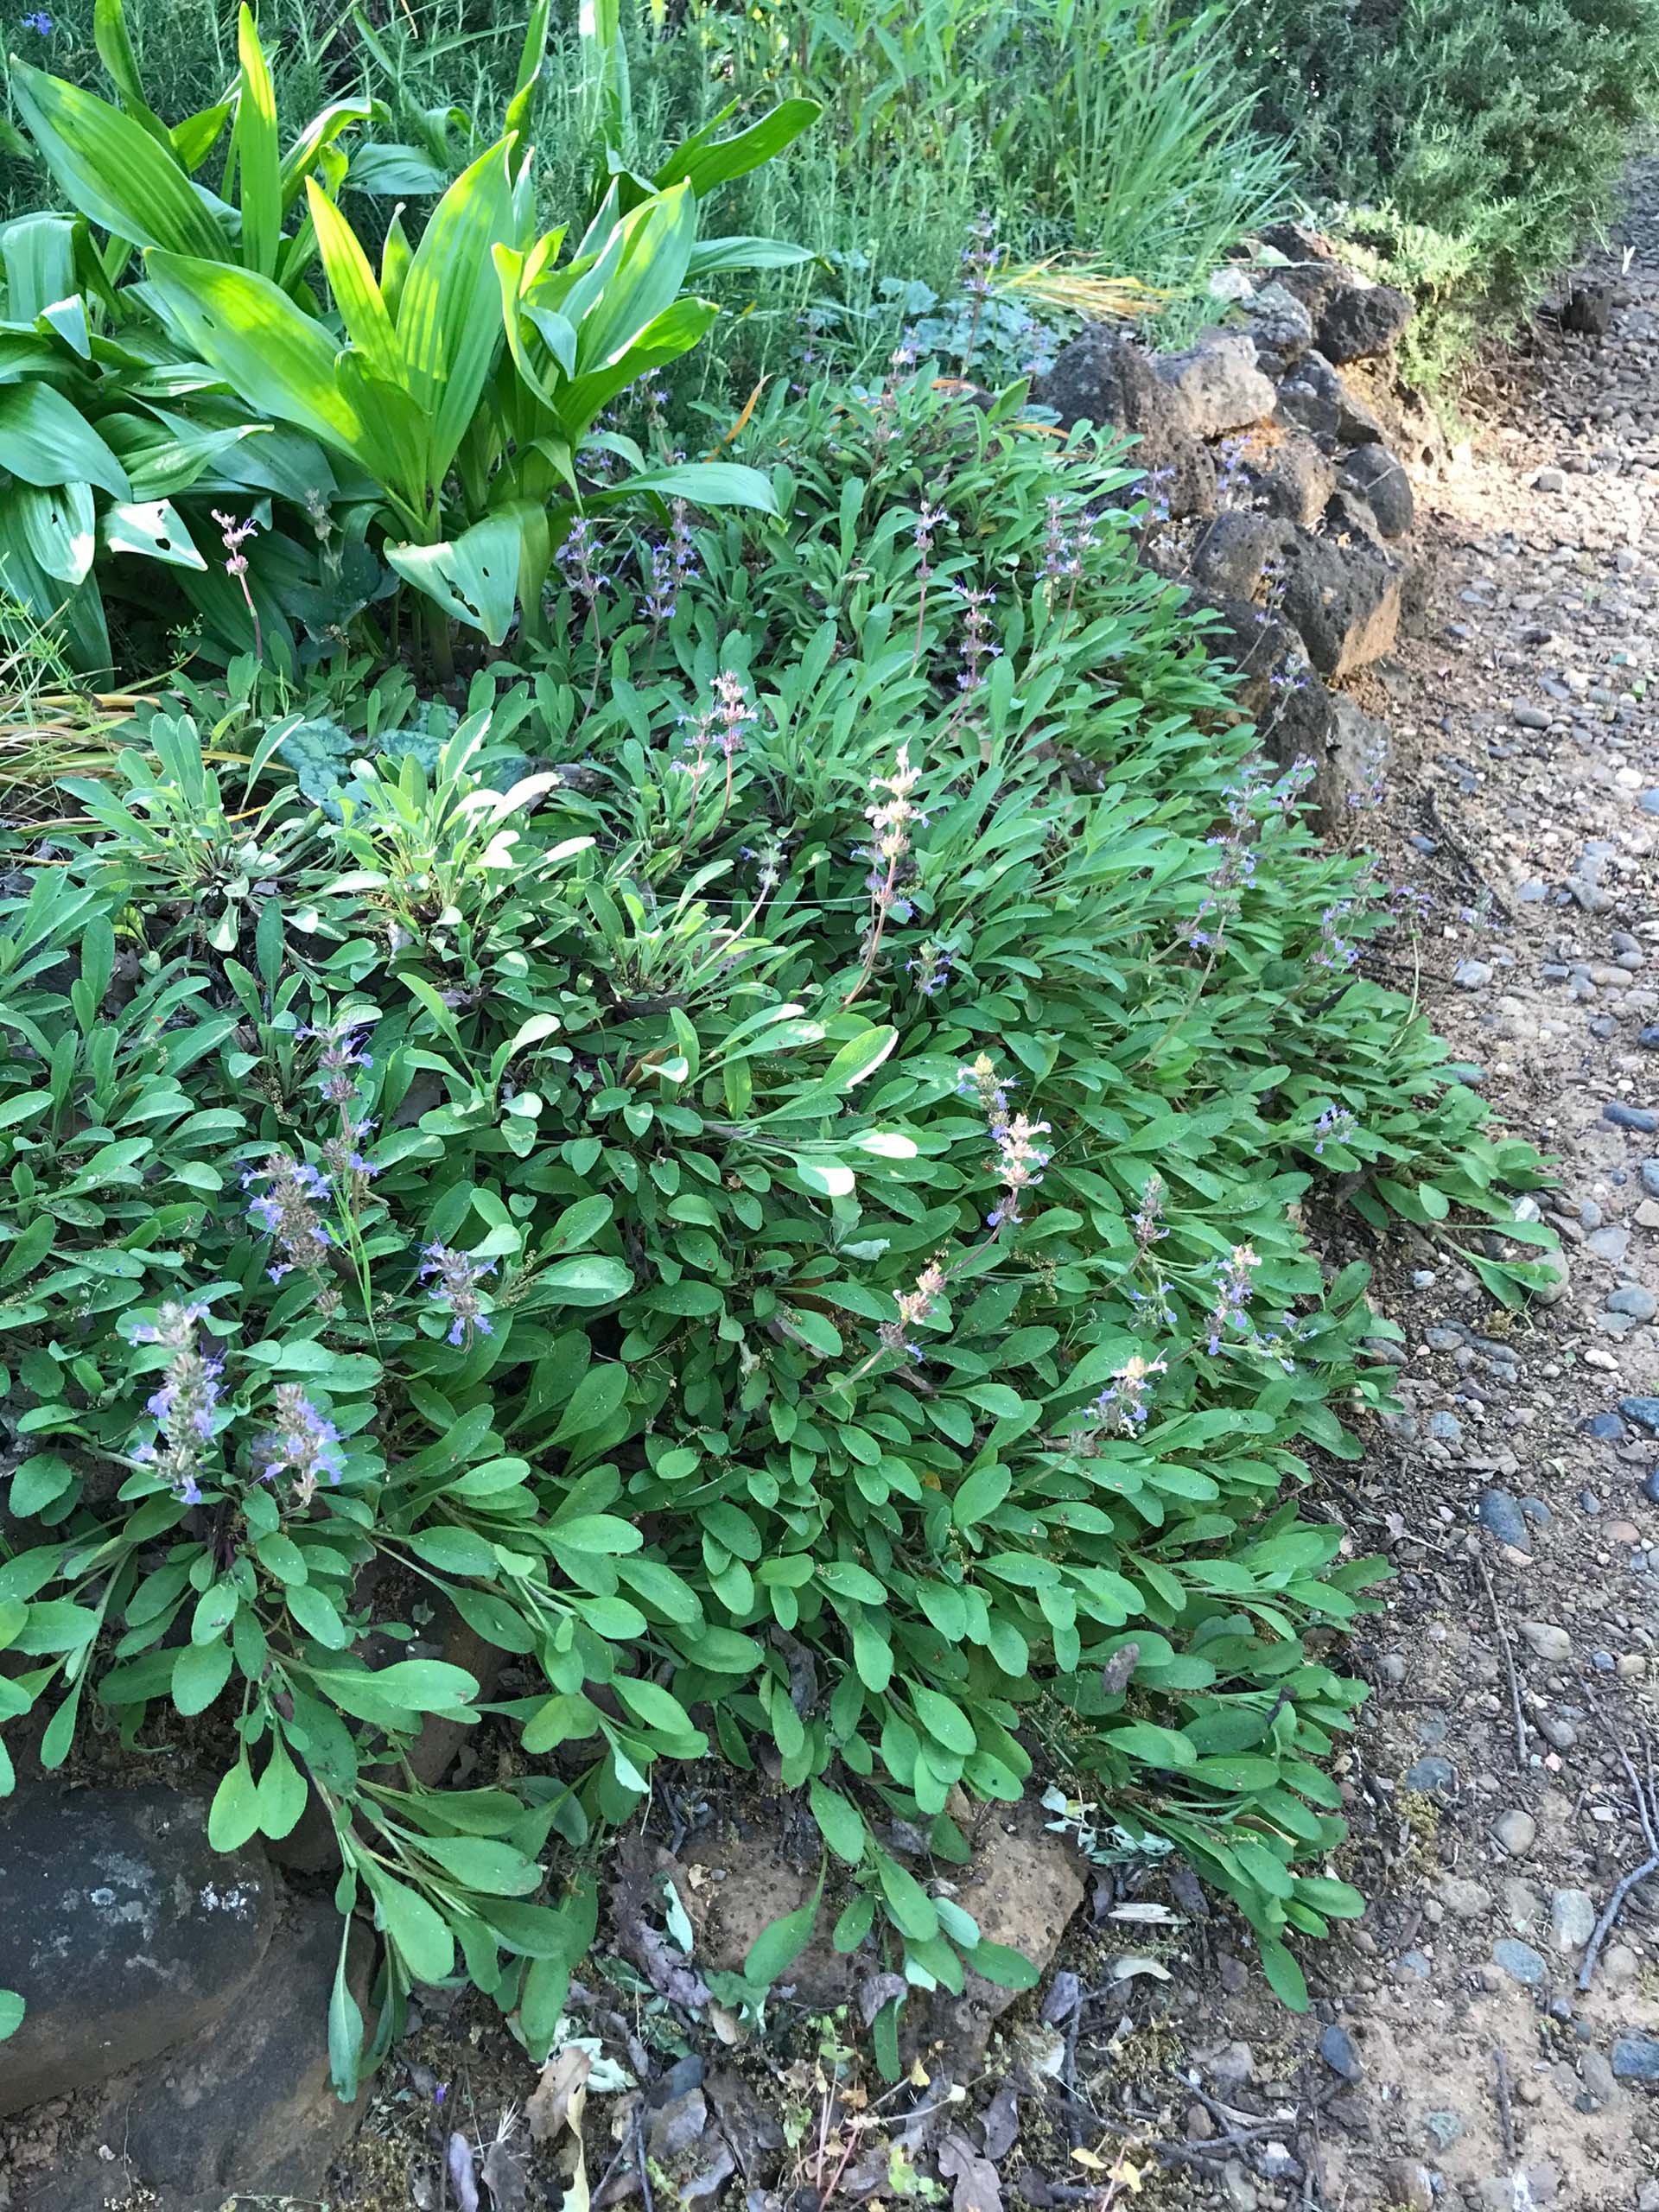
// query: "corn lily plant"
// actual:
[[459, 377]]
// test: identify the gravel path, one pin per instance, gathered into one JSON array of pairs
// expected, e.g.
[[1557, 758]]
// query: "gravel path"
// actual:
[[1494, 1785]]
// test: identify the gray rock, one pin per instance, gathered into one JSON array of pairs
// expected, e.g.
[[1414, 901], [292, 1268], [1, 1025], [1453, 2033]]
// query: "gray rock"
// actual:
[[1220, 387], [1517, 1832], [1372, 473], [1630, 1297], [1636, 2058], [246, 2109], [1434, 1776], [1232, 2065], [1293, 480], [1648, 1171], [1281, 327], [1557, 1278], [1604, 1428], [1501, 1515], [1548, 480], [1105, 377], [1446, 1428], [1446, 2127], [1472, 975], [1520, 1961], [1529, 717], [124, 1931], [1360, 322], [1311, 398], [1571, 1919], [1337, 2049], [1467, 1900], [1597, 2076], [1643, 1119], [681, 2122], [1644, 1411], [1344, 602], [1547, 1640]]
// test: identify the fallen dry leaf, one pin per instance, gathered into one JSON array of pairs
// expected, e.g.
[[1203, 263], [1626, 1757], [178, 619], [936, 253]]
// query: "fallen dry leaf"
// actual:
[[563, 2078], [977, 2188]]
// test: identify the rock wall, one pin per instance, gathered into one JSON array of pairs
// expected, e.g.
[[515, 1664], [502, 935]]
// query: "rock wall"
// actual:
[[1279, 458]]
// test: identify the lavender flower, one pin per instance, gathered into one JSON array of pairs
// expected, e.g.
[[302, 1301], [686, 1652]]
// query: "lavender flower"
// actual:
[[1333, 950], [891, 818], [1061, 553], [185, 1405], [578, 558], [1335, 1126], [915, 1307], [175, 1326], [40, 21], [1149, 1214], [1234, 1290], [979, 258], [931, 967], [1122, 1405], [976, 646], [733, 713], [1019, 1164], [981, 1081], [453, 1280], [304, 1442], [339, 1057], [286, 1211], [926, 523]]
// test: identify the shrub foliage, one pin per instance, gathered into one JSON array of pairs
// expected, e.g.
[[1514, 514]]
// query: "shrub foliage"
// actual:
[[755, 1178]]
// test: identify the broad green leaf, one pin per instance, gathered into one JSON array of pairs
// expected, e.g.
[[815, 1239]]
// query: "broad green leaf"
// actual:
[[115, 51], [484, 1864], [703, 164], [112, 169], [716, 257], [283, 1794], [840, 1823], [59, 527], [702, 483], [345, 2026], [775, 1949], [199, 1672], [1285, 1977], [474, 577], [356, 292], [234, 1813], [11, 2013], [40, 262], [152, 527], [449, 318], [257, 165], [1007, 1968], [270, 351], [46, 440], [416, 1928]]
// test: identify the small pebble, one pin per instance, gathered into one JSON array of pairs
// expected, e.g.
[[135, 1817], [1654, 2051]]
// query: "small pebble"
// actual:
[[1517, 1832], [1520, 1961]]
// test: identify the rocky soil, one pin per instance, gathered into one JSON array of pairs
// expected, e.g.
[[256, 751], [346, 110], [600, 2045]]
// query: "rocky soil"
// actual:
[[1487, 2037]]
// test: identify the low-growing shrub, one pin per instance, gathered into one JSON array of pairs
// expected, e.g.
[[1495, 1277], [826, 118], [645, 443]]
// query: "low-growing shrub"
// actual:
[[1467, 146], [758, 1175]]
